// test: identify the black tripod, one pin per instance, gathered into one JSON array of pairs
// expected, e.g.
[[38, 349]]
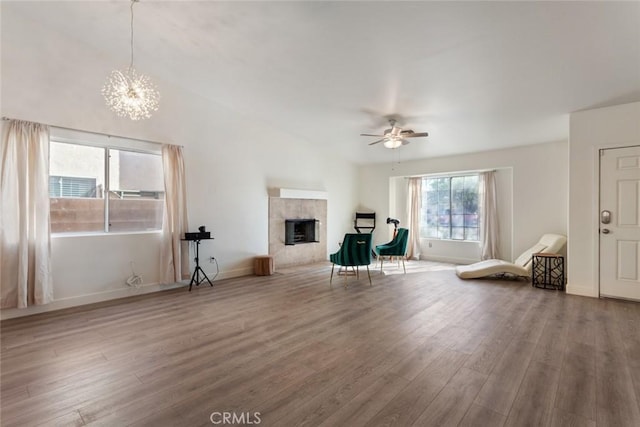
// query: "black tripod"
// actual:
[[198, 270]]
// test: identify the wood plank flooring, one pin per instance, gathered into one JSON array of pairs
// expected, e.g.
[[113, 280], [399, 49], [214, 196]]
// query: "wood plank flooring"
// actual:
[[421, 349]]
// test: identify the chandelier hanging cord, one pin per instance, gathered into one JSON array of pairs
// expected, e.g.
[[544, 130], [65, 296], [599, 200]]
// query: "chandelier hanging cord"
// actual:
[[131, 63]]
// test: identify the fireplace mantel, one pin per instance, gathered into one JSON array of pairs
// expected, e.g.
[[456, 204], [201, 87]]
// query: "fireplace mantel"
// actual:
[[290, 193]]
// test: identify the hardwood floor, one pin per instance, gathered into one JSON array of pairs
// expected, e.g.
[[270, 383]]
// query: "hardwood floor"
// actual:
[[419, 349]]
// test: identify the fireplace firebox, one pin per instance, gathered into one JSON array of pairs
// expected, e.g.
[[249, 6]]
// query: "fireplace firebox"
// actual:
[[300, 231]]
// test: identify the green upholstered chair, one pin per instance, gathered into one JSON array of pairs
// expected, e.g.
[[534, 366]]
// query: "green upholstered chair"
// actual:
[[354, 252], [395, 248]]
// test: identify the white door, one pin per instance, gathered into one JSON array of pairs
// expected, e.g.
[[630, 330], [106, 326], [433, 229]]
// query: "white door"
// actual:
[[620, 222]]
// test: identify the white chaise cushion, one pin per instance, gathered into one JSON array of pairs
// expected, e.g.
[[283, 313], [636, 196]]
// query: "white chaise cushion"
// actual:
[[554, 242], [524, 259], [550, 243], [489, 268]]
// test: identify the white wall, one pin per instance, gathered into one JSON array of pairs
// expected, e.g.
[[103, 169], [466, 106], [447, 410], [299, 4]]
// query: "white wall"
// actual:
[[532, 191], [591, 131], [231, 161]]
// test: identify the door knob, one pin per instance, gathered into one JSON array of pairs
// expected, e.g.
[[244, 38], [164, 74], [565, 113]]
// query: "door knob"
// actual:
[[605, 231]]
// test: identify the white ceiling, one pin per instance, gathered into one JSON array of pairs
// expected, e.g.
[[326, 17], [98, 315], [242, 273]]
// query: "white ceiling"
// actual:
[[475, 75]]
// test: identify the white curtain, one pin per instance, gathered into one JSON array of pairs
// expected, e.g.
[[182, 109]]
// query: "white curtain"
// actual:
[[174, 254], [489, 231], [413, 207], [25, 230]]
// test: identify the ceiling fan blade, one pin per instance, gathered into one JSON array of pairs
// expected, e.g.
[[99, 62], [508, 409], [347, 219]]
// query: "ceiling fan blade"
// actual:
[[405, 142], [378, 141], [368, 134], [414, 134]]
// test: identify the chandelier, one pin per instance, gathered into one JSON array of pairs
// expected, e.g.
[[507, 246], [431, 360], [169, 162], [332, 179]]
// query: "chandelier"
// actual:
[[129, 93]]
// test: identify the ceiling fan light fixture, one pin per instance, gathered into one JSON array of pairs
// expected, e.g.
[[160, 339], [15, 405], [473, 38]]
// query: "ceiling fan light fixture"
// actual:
[[395, 136], [393, 142]]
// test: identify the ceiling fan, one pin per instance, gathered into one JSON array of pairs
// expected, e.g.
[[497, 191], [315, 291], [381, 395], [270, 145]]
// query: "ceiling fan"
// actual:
[[395, 136]]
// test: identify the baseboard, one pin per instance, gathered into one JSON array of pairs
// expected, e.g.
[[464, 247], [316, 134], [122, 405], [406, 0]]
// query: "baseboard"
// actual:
[[10, 313], [238, 272], [581, 291], [450, 260]]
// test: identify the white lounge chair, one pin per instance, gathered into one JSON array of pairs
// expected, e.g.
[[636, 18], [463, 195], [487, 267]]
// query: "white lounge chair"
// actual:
[[521, 267]]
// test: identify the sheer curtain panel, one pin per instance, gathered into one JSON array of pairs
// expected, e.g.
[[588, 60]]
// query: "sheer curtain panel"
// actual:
[[25, 236], [174, 254], [489, 232], [414, 205]]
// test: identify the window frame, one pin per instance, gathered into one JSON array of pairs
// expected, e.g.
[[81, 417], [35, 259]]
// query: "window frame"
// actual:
[[450, 178], [107, 143]]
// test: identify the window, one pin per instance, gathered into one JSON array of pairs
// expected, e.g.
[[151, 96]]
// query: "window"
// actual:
[[136, 191], [70, 186], [75, 205], [84, 197], [450, 208]]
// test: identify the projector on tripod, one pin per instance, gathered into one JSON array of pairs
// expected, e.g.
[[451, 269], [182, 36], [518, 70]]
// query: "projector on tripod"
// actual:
[[200, 235]]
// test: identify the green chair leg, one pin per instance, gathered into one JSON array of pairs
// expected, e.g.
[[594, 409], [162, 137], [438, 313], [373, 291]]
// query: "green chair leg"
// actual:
[[369, 274], [331, 278]]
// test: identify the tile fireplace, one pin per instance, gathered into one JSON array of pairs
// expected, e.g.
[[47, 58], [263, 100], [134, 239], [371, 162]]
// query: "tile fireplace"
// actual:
[[297, 230]]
